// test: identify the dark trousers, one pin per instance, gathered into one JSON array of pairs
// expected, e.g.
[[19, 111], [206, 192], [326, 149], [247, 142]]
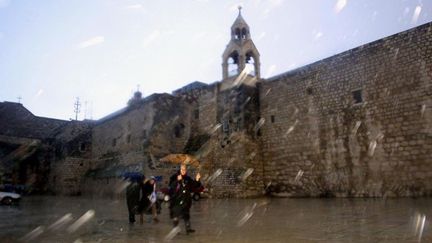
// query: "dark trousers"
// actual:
[[131, 216], [180, 212]]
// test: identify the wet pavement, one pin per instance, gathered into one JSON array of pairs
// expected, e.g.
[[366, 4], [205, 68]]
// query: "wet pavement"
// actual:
[[78, 219]]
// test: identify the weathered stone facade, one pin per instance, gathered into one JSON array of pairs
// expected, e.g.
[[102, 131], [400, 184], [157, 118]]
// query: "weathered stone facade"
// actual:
[[72, 146], [30, 145], [377, 145], [356, 124], [133, 138]]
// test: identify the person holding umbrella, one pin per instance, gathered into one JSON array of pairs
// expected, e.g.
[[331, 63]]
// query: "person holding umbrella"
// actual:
[[181, 186]]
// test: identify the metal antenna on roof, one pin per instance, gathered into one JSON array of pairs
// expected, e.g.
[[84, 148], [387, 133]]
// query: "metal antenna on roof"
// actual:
[[77, 109], [85, 109]]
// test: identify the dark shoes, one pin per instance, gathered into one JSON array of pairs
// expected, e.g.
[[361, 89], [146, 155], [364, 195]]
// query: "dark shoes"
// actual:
[[188, 228], [175, 222]]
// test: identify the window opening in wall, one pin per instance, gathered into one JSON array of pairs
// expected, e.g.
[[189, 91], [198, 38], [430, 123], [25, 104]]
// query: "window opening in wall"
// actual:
[[272, 118], [114, 142], [233, 62], [244, 33], [237, 34], [357, 96], [225, 126], [250, 64], [82, 147], [144, 134], [196, 114], [258, 127], [128, 138], [178, 130]]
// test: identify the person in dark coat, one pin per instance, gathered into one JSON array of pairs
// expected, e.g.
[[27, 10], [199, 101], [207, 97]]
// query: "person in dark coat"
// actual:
[[181, 200], [133, 192]]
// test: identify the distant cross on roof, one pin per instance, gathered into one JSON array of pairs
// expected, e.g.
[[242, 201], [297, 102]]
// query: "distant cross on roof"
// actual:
[[138, 87], [239, 8], [19, 99]]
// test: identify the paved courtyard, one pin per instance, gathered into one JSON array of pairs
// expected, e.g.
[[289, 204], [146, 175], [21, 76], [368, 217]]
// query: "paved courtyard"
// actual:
[[78, 219]]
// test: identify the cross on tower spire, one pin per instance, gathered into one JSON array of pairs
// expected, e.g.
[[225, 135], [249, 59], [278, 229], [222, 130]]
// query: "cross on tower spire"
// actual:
[[240, 53]]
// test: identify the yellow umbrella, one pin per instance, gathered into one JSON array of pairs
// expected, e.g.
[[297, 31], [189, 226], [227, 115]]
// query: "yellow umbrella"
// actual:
[[186, 159]]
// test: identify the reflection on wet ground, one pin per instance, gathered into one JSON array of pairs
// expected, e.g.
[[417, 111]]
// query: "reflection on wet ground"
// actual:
[[77, 219]]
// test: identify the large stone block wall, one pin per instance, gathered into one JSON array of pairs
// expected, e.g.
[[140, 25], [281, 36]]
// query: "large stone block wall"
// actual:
[[317, 141], [207, 109], [232, 152], [123, 133], [71, 159], [67, 175], [148, 129], [203, 105], [235, 169], [231, 160]]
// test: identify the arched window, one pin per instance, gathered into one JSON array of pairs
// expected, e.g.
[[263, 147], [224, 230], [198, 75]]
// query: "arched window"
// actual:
[[179, 130], [250, 63], [244, 33], [237, 34], [233, 64]]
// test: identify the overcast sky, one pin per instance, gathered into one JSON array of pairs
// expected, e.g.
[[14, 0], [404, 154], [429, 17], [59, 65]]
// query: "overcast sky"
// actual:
[[52, 51]]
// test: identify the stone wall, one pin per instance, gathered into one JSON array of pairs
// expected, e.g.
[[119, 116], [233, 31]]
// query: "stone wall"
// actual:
[[203, 105], [355, 124], [223, 136], [233, 170], [72, 149], [138, 137], [158, 126], [67, 175], [25, 147]]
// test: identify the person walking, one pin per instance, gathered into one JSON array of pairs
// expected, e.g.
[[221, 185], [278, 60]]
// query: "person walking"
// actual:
[[181, 200], [133, 191], [148, 199]]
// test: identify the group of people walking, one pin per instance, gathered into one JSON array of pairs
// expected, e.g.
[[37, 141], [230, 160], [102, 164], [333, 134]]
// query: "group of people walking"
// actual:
[[141, 198]]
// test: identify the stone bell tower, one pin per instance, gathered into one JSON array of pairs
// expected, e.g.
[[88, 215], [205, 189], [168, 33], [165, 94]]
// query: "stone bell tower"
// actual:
[[240, 55], [238, 99]]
